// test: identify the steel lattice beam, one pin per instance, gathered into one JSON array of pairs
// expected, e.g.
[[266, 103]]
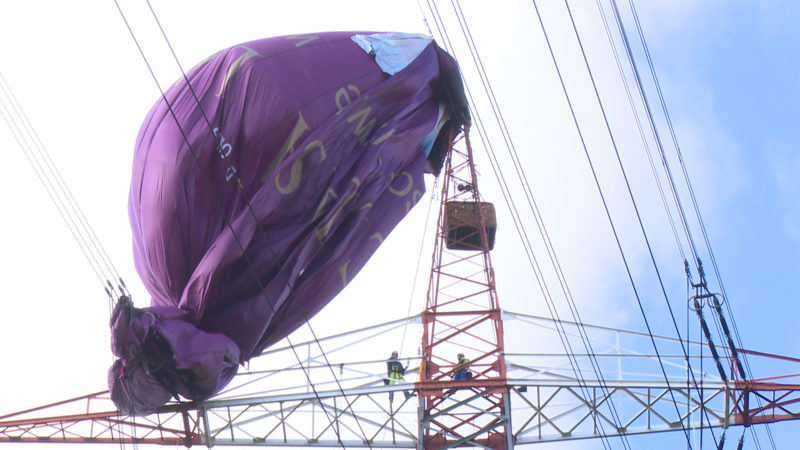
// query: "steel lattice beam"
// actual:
[[93, 419], [273, 406]]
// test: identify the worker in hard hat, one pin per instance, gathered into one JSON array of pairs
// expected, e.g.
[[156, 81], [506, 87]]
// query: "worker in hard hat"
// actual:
[[461, 372], [394, 374]]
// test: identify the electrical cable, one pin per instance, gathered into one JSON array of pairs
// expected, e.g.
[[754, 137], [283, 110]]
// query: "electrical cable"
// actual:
[[526, 244], [684, 170], [48, 174], [687, 181], [637, 117], [531, 205], [632, 198], [640, 90], [611, 223], [555, 316]]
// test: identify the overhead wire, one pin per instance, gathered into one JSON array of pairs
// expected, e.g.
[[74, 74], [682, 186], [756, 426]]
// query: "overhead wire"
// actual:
[[478, 122], [620, 28], [640, 128], [521, 176], [100, 261], [686, 178], [670, 217], [698, 264], [633, 202], [515, 215], [608, 215], [57, 189]]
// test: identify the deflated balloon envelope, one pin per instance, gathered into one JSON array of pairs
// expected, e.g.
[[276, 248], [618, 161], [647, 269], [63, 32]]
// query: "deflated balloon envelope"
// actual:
[[261, 185]]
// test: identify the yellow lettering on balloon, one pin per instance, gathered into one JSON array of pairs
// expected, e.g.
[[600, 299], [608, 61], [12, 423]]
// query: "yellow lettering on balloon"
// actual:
[[297, 167], [377, 237], [326, 228], [329, 194], [343, 97], [343, 272], [414, 199], [249, 53], [305, 39], [384, 136], [406, 189], [363, 127], [299, 128]]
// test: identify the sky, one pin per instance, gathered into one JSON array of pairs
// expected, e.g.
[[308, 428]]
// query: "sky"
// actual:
[[727, 73]]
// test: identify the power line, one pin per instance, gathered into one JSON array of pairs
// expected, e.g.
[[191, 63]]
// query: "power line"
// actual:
[[676, 146], [50, 177], [608, 214], [652, 127], [521, 176], [515, 214]]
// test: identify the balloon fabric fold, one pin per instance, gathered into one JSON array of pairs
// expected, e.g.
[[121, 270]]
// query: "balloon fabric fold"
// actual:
[[261, 185]]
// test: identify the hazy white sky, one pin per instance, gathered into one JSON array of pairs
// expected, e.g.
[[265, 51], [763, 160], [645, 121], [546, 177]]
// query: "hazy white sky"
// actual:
[[727, 69]]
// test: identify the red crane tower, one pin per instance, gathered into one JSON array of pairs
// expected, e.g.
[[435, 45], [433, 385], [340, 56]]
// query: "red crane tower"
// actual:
[[463, 317]]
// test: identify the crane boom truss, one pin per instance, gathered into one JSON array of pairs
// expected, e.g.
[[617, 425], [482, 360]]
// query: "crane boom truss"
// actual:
[[544, 412], [548, 403]]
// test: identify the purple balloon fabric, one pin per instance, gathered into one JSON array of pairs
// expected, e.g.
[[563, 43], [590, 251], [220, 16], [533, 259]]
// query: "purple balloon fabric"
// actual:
[[259, 192]]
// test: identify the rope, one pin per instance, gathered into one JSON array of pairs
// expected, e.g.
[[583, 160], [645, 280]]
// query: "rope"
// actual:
[[67, 206], [419, 261]]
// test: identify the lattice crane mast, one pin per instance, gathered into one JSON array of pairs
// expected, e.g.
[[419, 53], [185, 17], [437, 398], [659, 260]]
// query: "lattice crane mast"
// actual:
[[463, 405]]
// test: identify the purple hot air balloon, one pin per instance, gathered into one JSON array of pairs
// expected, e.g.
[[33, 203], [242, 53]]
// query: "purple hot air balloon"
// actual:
[[261, 187]]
